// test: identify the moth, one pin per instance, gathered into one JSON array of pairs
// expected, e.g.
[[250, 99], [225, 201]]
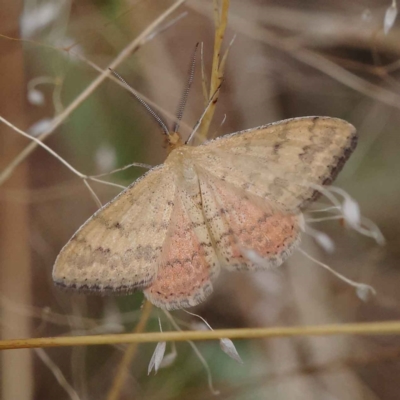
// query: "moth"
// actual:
[[227, 203]]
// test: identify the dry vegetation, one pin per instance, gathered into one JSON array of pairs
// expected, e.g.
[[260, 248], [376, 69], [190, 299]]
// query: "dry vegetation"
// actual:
[[289, 59]]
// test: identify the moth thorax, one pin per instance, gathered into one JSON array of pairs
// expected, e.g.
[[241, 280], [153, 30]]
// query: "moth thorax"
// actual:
[[190, 177], [189, 172]]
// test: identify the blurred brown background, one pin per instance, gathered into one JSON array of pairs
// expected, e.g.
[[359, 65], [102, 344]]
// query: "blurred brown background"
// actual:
[[290, 58]]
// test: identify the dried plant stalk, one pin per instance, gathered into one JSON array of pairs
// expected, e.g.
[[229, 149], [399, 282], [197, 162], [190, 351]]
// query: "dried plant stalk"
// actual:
[[125, 53], [217, 69], [369, 328], [129, 354]]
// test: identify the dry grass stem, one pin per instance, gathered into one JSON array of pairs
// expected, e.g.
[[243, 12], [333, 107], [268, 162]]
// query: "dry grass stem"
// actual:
[[129, 354], [370, 328], [217, 69], [122, 56], [311, 58]]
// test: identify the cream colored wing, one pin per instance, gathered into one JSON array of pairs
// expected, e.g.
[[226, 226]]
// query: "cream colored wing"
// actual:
[[283, 162], [119, 247], [188, 261]]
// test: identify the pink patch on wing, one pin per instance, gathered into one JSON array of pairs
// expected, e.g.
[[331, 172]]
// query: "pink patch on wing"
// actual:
[[183, 277], [251, 224]]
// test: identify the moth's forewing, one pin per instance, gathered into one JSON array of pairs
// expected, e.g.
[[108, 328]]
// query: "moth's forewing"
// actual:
[[283, 161], [118, 248]]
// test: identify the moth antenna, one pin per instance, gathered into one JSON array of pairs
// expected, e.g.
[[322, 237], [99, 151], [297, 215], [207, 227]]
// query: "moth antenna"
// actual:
[[185, 94], [158, 119]]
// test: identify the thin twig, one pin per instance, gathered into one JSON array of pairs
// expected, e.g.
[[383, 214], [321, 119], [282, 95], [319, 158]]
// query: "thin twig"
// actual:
[[129, 354], [123, 55], [196, 350], [58, 157], [340, 276], [114, 171], [38, 142], [216, 72], [366, 328], [257, 32], [93, 193], [166, 26], [198, 123], [57, 374]]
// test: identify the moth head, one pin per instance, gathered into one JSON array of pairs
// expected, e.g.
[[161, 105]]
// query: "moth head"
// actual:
[[174, 141]]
